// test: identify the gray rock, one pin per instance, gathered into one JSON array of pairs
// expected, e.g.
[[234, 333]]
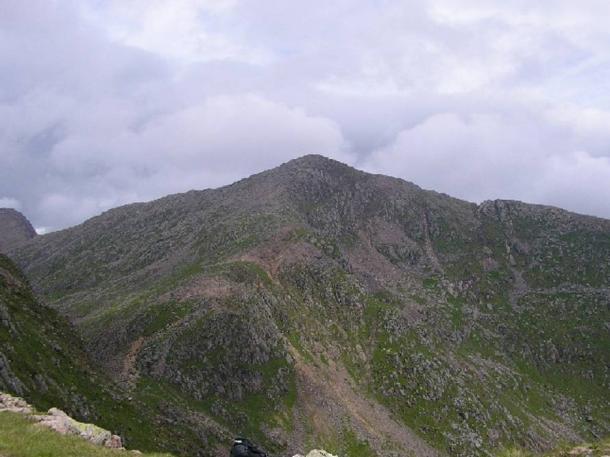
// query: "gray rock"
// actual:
[[14, 229]]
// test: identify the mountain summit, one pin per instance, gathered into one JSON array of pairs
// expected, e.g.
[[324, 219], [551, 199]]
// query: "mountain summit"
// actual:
[[315, 305]]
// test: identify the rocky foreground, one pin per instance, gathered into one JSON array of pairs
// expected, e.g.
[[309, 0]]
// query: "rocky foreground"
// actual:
[[59, 421], [63, 424]]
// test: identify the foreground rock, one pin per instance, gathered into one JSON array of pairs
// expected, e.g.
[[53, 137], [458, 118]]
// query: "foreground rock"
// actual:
[[59, 421], [14, 404], [317, 453], [590, 451]]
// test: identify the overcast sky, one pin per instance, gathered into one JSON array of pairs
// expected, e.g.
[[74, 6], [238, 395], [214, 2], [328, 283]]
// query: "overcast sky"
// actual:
[[107, 102]]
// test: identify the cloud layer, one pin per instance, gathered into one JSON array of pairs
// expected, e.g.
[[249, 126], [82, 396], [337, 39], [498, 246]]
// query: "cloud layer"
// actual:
[[108, 102]]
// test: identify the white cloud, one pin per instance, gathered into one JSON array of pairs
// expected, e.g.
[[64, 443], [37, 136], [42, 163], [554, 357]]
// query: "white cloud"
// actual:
[[176, 29], [483, 156], [103, 103], [206, 145], [8, 202]]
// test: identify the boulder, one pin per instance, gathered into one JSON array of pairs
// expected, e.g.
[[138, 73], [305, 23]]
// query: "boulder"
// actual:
[[14, 404], [59, 421], [317, 453]]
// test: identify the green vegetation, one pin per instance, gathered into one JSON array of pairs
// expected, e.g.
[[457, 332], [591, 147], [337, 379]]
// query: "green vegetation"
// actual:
[[430, 283], [597, 449], [19, 437], [349, 445], [44, 350]]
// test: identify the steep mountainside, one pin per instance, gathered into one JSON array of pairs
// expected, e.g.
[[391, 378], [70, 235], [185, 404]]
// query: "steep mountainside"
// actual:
[[43, 360], [314, 305], [14, 229], [39, 354]]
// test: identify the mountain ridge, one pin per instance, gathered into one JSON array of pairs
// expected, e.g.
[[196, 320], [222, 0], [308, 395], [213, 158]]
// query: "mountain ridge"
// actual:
[[352, 285], [319, 161]]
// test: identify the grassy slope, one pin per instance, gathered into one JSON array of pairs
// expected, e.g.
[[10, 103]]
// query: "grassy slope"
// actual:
[[19, 437]]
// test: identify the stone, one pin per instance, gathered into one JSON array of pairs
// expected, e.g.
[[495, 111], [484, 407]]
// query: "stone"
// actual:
[[14, 404], [59, 421], [581, 450], [317, 453]]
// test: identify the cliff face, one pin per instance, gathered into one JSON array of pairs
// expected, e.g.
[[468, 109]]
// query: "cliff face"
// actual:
[[317, 305], [14, 229]]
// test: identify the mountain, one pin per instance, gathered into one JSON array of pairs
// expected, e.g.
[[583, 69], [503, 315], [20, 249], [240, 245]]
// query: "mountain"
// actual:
[[315, 305], [14, 229], [43, 359]]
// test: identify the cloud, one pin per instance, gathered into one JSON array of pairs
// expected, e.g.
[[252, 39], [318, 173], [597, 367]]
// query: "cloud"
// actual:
[[7, 202], [104, 103], [482, 156], [103, 164], [178, 29]]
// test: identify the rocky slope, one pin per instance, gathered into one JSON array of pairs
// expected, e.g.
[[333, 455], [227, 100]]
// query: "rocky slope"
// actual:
[[40, 354], [14, 229], [314, 305], [43, 360]]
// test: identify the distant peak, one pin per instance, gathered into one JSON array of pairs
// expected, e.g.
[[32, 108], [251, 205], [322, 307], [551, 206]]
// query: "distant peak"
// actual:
[[14, 228]]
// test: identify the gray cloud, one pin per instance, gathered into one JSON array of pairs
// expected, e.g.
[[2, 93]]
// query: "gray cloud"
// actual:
[[104, 103]]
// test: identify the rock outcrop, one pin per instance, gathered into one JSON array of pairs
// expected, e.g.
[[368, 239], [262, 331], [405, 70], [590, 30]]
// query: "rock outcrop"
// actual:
[[317, 453], [59, 421], [14, 404], [14, 229]]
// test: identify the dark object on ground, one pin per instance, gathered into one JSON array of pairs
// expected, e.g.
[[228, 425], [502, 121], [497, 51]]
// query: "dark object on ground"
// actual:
[[243, 447]]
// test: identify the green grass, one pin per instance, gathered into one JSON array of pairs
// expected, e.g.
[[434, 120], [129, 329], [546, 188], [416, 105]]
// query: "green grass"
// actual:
[[19, 437], [430, 283], [352, 446], [597, 449], [344, 443]]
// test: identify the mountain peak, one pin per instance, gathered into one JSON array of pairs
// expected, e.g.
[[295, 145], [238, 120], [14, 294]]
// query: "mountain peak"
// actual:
[[315, 161], [14, 228]]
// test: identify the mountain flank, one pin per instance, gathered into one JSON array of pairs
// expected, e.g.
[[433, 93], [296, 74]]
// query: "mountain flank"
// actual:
[[317, 306], [14, 229], [43, 359]]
